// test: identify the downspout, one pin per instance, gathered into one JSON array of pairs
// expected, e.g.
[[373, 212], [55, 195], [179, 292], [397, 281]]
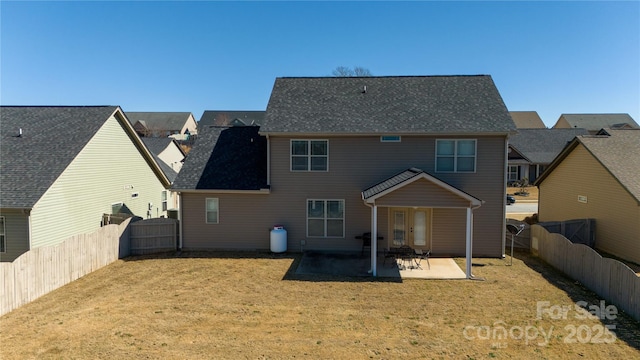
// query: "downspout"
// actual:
[[504, 196], [28, 213], [268, 161], [180, 223]]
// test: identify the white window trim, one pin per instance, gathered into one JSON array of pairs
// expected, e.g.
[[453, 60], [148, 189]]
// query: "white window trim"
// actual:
[[455, 156], [164, 204], [206, 211], [309, 156], [509, 172], [388, 138], [4, 234], [344, 210]]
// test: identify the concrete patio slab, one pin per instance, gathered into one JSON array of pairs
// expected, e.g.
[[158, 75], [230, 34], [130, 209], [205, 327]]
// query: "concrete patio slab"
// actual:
[[353, 264]]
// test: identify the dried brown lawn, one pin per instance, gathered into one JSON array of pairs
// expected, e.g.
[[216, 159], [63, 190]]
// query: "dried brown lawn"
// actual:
[[253, 306]]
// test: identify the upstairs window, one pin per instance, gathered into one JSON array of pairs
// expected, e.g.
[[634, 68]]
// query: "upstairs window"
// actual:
[[309, 155], [456, 156]]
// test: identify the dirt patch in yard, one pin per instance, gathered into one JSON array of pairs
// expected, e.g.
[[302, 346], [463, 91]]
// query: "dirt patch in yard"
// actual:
[[255, 306]]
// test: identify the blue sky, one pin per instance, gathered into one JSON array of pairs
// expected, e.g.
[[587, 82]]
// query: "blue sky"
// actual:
[[551, 57]]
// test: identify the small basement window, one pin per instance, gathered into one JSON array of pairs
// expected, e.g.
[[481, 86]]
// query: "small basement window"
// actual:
[[390, 138]]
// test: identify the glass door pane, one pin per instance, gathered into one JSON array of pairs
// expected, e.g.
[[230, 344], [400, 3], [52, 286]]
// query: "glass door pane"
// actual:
[[419, 228], [398, 228]]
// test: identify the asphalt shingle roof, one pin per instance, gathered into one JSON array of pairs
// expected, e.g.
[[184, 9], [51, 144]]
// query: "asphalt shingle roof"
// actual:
[[594, 122], [52, 137], [527, 120], [620, 154], [541, 146], [225, 159], [156, 145], [394, 104], [225, 117], [159, 120]]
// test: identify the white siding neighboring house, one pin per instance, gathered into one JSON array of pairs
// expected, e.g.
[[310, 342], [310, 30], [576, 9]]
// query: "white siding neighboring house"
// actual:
[[167, 150], [66, 168]]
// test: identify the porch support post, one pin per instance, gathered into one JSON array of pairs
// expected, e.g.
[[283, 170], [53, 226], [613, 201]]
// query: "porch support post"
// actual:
[[469, 241], [374, 240]]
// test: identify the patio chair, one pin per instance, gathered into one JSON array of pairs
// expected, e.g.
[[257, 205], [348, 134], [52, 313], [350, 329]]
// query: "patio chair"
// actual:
[[423, 255]]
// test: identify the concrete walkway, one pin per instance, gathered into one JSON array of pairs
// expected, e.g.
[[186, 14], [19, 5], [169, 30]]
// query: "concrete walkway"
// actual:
[[353, 264]]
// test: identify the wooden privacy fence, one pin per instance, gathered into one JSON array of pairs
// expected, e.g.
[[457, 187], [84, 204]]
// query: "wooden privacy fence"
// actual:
[[578, 231], [44, 269], [609, 278], [153, 236]]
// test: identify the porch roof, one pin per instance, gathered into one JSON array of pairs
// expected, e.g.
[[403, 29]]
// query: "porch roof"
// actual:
[[409, 176]]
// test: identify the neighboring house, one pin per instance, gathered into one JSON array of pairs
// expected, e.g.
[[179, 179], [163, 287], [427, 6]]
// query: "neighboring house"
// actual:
[[167, 150], [532, 150], [230, 118], [63, 167], [178, 125], [595, 122], [527, 120], [598, 177], [169, 156], [419, 160]]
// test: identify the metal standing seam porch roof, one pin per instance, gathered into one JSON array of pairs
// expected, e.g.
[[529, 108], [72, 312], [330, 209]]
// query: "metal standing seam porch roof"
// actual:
[[408, 176]]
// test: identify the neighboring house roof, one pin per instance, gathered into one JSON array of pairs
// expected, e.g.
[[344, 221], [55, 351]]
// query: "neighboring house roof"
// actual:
[[230, 118], [159, 121], [527, 120], [595, 122], [383, 105], [408, 176], [541, 146], [157, 146], [232, 158], [52, 137], [619, 153]]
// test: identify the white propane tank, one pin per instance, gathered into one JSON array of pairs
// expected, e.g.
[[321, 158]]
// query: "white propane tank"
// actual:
[[278, 239]]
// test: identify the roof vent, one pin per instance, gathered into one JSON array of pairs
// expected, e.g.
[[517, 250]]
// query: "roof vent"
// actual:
[[364, 89], [19, 132]]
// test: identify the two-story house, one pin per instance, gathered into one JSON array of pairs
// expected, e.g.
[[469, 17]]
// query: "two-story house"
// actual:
[[417, 160], [532, 150], [63, 167]]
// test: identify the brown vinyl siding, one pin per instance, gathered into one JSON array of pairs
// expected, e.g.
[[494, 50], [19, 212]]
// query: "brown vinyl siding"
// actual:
[[355, 163], [616, 212], [448, 235], [424, 193]]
